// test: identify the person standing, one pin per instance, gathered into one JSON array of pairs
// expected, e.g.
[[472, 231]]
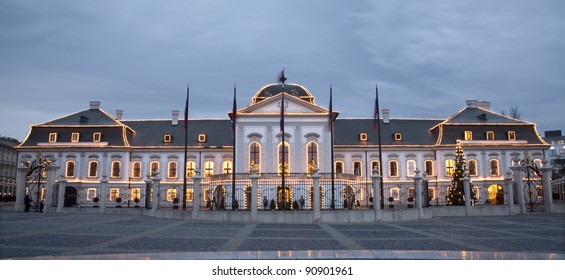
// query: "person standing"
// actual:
[[27, 202]]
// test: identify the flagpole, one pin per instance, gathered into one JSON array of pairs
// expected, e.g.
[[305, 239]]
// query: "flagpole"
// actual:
[[380, 146], [283, 170], [332, 206], [234, 112], [185, 148]]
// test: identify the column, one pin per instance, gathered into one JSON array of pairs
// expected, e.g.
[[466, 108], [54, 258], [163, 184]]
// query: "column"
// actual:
[[21, 188], [156, 182], [254, 185], [376, 178], [547, 189], [197, 178], [517, 172], [61, 193], [316, 195], [509, 191], [103, 193], [51, 169], [467, 192]]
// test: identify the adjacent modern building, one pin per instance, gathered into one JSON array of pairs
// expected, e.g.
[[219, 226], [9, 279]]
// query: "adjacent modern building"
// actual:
[[91, 145]]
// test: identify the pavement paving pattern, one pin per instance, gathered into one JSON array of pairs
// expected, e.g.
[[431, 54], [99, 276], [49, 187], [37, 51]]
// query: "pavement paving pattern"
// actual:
[[41, 235]]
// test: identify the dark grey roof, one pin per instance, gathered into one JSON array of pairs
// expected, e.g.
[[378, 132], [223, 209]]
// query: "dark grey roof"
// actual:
[[414, 132], [525, 131], [86, 117], [479, 115], [40, 134], [151, 132], [274, 89]]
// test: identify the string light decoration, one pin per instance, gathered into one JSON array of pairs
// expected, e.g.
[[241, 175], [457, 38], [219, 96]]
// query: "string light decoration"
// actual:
[[456, 195]]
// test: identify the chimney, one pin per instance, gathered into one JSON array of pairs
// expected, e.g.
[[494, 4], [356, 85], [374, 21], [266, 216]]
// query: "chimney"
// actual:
[[484, 104], [119, 114], [386, 115], [175, 117], [94, 105], [472, 104]]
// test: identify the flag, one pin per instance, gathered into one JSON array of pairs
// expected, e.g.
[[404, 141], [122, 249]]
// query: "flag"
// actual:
[[330, 121], [282, 78], [234, 111], [186, 108], [376, 115]]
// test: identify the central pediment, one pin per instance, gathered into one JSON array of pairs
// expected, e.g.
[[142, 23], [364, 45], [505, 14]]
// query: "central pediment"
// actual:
[[292, 104]]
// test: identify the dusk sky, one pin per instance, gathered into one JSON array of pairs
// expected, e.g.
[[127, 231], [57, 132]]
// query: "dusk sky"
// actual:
[[428, 57]]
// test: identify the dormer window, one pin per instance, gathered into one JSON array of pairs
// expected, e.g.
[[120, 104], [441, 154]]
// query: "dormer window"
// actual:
[[363, 137], [201, 138], [52, 137], [490, 135], [511, 135], [75, 137], [468, 135], [398, 136], [167, 138], [96, 137]]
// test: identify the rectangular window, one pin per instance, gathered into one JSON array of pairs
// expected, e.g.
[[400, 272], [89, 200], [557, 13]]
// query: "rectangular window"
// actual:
[[96, 137], [490, 135], [468, 135], [397, 136], [172, 169], [363, 137], [411, 167], [154, 168], [90, 194], [472, 165], [52, 137], [201, 138], [171, 194], [189, 194], [449, 167], [208, 168], [431, 193], [135, 193], [167, 138], [114, 193], [511, 135], [75, 137], [357, 167], [190, 166], [429, 167], [70, 169], [136, 169], [494, 167], [376, 164], [227, 167], [339, 167], [116, 169], [93, 169], [393, 168]]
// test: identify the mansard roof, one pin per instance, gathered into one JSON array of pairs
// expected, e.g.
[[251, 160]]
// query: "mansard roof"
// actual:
[[95, 117], [414, 132], [275, 89]]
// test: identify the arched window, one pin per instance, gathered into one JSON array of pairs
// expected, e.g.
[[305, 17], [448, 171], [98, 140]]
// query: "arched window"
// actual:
[[339, 167], [93, 169], [472, 165], [377, 164], [116, 169], [284, 153], [227, 167], [312, 151], [410, 167], [255, 155], [172, 169], [154, 168], [136, 169], [357, 168], [190, 166], [393, 168], [70, 169], [494, 167], [429, 167], [208, 168]]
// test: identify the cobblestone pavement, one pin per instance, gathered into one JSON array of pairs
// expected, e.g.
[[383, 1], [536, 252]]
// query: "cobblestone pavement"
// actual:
[[92, 236]]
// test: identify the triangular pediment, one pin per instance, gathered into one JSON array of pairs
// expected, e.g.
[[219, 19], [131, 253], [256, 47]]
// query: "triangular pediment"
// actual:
[[292, 105]]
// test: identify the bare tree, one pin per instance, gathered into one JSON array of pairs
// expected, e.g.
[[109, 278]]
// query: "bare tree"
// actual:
[[514, 112]]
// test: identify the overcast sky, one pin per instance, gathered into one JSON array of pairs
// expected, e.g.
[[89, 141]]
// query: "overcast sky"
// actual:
[[427, 56]]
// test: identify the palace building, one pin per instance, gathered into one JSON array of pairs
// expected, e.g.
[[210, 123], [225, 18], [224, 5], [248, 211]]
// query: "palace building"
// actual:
[[92, 146]]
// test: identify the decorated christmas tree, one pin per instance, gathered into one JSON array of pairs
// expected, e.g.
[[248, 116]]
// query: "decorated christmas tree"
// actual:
[[456, 194]]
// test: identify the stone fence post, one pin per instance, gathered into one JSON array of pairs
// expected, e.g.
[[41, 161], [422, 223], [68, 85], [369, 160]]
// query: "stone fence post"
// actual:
[[51, 169], [547, 188], [316, 195], [196, 179], [156, 182], [518, 176], [103, 193], [467, 192], [21, 188], [376, 180], [509, 191], [61, 193], [254, 185]]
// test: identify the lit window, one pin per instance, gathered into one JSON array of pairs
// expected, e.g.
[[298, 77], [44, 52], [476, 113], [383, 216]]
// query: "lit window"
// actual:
[[538, 162], [96, 137], [90, 194], [476, 192], [411, 167], [449, 167], [431, 193], [393, 168], [52, 137], [376, 164], [93, 169], [114, 193], [116, 169], [136, 169], [490, 135], [208, 168], [167, 138], [154, 168], [227, 167], [312, 149], [190, 166], [363, 137], [397, 136], [172, 169], [357, 168], [201, 138], [429, 167], [255, 155], [395, 193], [339, 167], [494, 167], [75, 137], [468, 135], [70, 169], [171, 194], [283, 153], [472, 165], [511, 135], [189, 194], [135, 193]]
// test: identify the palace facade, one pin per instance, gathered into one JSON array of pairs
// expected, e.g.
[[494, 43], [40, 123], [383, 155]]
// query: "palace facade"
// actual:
[[92, 146]]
